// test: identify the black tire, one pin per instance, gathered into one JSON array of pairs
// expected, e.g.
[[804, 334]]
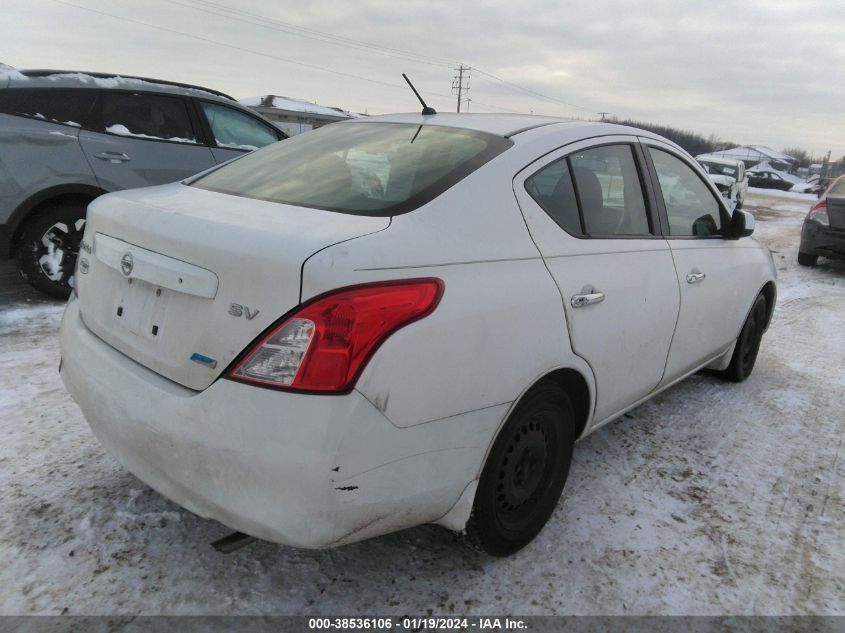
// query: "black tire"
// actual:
[[47, 249], [748, 343], [739, 203], [805, 259], [525, 472]]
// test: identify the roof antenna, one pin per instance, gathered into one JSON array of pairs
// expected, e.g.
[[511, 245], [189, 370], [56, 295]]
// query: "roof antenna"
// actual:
[[426, 109]]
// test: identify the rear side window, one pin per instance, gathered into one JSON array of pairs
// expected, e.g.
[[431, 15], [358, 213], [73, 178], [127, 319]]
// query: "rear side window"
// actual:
[[68, 107], [153, 117], [236, 130], [593, 192], [692, 208], [552, 189], [376, 169]]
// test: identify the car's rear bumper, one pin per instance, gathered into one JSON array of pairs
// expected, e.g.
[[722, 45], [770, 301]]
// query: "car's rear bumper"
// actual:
[[304, 470], [825, 241]]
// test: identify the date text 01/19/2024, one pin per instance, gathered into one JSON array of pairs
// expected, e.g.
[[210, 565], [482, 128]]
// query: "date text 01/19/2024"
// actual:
[[417, 624]]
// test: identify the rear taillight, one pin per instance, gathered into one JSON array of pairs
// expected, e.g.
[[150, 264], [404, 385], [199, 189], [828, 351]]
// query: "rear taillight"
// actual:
[[325, 344], [819, 213]]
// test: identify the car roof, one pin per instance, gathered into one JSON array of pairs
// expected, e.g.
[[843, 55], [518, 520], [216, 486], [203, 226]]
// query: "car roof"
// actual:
[[113, 81], [506, 125]]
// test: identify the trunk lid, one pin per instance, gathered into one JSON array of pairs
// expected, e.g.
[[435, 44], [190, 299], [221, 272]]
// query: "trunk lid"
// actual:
[[182, 279]]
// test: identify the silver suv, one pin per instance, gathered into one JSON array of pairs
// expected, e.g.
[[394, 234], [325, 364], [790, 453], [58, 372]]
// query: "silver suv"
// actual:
[[68, 137]]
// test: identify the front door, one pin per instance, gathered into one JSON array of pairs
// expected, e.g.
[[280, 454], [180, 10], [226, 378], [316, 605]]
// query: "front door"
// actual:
[[714, 273], [586, 209]]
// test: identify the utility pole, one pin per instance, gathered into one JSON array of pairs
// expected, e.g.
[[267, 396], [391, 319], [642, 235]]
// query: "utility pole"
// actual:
[[825, 165], [460, 84], [603, 114]]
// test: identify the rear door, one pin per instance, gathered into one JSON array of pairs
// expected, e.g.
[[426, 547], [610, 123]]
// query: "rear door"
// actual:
[[716, 275], [141, 139], [38, 142], [233, 132], [591, 216]]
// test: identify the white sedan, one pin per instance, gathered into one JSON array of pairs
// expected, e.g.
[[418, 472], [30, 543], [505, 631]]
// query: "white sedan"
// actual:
[[404, 319]]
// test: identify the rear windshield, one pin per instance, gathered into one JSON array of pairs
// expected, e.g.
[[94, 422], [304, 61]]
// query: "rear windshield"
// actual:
[[376, 169], [838, 188]]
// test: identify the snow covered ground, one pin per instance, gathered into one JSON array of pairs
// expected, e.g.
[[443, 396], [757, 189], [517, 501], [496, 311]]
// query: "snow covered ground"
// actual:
[[712, 498]]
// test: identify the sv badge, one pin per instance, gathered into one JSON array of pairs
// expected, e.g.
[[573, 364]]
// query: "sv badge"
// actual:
[[236, 309]]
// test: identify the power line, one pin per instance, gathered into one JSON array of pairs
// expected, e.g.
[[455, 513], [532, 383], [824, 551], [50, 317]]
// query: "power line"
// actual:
[[255, 19], [232, 46], [363, 45], [297, 62], [528, 90]]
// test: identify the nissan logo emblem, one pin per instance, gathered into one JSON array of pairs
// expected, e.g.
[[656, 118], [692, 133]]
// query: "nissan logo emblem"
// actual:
[[126, 264]]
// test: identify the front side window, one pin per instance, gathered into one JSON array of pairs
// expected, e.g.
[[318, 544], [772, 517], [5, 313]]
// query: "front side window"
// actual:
[[146, 116], [376, 169], [692, 207], [236, 130], [67, 107]]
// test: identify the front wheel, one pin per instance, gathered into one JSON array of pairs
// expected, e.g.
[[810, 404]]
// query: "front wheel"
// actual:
[[525, 472], [748, 343], [46, 253]]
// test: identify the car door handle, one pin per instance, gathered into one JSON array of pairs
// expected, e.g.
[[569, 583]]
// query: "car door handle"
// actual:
[[113, 157], [579, 301], [694, 278]]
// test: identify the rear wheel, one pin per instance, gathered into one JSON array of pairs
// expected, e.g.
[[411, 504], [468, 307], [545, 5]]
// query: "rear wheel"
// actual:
[[748, 343], [525, 472], [47, 250], [805, 259]]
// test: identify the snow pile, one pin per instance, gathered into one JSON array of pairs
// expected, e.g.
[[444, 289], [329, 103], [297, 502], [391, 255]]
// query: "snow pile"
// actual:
[[10, 72], [122, 130], [298, 105], [38, 115], [112, 81], [234, 145]]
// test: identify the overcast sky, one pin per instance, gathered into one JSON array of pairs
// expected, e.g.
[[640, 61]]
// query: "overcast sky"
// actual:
[[755, 72]]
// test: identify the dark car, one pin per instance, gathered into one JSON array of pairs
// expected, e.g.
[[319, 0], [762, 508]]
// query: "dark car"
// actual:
[[68, 137], [823, 233], [768, 180]]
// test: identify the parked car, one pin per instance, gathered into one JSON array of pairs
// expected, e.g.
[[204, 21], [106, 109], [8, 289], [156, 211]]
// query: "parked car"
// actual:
[[314, 360], [729, 177], [768, 180], [823, 232], [68, 137]]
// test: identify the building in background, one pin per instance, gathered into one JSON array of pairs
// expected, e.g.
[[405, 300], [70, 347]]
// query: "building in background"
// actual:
[[752, 155], [294, 116]]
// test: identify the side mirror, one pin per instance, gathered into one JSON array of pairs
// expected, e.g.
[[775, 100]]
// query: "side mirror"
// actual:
[[742, 224]]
